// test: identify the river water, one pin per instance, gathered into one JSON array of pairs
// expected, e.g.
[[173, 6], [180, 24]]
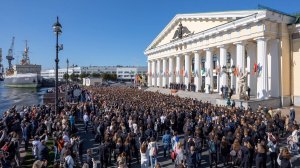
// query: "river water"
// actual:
[[19, 96]]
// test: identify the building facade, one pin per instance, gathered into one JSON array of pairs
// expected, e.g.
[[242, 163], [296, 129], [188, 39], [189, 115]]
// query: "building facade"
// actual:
[[128, 73], [50, 73], [216, 49], [123, 73]]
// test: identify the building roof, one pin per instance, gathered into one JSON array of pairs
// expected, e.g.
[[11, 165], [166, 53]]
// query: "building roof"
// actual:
[[234, 18]]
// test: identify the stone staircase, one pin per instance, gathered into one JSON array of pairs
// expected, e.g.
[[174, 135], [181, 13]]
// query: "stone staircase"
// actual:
[[195, 95]]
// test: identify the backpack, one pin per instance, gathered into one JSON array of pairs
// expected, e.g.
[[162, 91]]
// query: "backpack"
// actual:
[[212, 147]]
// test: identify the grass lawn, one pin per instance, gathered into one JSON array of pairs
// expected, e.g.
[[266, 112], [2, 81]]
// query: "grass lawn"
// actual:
[[28, 159]]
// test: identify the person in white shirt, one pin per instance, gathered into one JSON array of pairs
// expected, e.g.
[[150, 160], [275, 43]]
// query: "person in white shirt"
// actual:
[[86, 122], [152, 146], [144, 156], [69, 161], [36, 143], [66, 138]]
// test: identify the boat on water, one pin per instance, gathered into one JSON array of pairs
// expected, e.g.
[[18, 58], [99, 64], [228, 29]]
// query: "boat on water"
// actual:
[[25, 74]]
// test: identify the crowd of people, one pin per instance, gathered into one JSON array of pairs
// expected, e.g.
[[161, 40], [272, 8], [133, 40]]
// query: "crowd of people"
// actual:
[[133, 126]]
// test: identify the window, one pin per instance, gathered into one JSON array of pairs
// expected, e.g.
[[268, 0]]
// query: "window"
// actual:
[[228, 58], [215, 82], [203, 62], [215, 60]]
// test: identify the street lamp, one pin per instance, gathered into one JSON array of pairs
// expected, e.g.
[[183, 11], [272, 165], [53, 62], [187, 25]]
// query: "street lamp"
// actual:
[[57, 30], [228, 70], [67, 71]]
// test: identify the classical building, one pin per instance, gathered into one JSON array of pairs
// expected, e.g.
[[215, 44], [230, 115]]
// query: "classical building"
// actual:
[[211, 50]]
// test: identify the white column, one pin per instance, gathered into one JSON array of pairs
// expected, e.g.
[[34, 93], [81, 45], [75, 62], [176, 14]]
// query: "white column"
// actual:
[[153, 73], [240, 61], [178, 66], [262, 61], [164, 80], [187, 70], [274, 68], [251, 60], [223, 55], [158, 72], [149, 71], [209, 71], [197, 79], [171, 70]]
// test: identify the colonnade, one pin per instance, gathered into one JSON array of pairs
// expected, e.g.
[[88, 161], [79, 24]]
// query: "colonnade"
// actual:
[[218, 69]]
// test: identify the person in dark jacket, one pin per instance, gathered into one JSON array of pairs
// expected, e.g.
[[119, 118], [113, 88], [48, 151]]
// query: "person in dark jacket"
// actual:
[[213, 151], [224, 151], [292, 114], [245, 155], [43, 151], [89, 157], [191, 160], [261, 156], [285, 157]]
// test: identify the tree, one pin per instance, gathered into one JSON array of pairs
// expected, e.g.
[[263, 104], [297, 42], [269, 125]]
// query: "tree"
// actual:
[[83, 75], [107, 76], [96, 75], [66, 76], [73, 77]]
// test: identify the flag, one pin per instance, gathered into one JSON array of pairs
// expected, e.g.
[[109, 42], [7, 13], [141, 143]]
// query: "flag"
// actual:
[[236, 71], [181, 72], [185, 74], [255, 69], [218, 70], [203, 71]]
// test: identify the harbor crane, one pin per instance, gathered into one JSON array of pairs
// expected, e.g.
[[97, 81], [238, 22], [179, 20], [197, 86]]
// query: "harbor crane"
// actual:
[[10, 56]]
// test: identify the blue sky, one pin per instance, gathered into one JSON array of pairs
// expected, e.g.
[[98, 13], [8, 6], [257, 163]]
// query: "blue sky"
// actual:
[[102, 32]]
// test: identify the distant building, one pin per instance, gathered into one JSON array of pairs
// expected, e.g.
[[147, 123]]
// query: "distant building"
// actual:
[[99, 69], [92, 81], [128, 73], [123, 75], [50, 73]]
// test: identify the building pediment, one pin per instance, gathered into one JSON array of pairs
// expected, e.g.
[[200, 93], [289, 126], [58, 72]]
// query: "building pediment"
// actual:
[[185, 25]]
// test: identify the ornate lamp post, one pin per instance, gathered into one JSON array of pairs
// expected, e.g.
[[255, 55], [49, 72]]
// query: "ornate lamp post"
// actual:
[[57, 30], [228, 70], [67, 71]]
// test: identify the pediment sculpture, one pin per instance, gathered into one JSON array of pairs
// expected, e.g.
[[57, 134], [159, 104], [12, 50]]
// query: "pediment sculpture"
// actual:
[[181, 32]]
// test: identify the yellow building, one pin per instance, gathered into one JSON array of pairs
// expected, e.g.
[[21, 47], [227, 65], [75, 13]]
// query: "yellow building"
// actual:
[[218, 49]]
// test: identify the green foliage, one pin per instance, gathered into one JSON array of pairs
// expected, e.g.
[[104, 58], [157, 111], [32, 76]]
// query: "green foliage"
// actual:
[[107, 76], [66, 76], [96, 75], [74, 77], [83, 75]]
